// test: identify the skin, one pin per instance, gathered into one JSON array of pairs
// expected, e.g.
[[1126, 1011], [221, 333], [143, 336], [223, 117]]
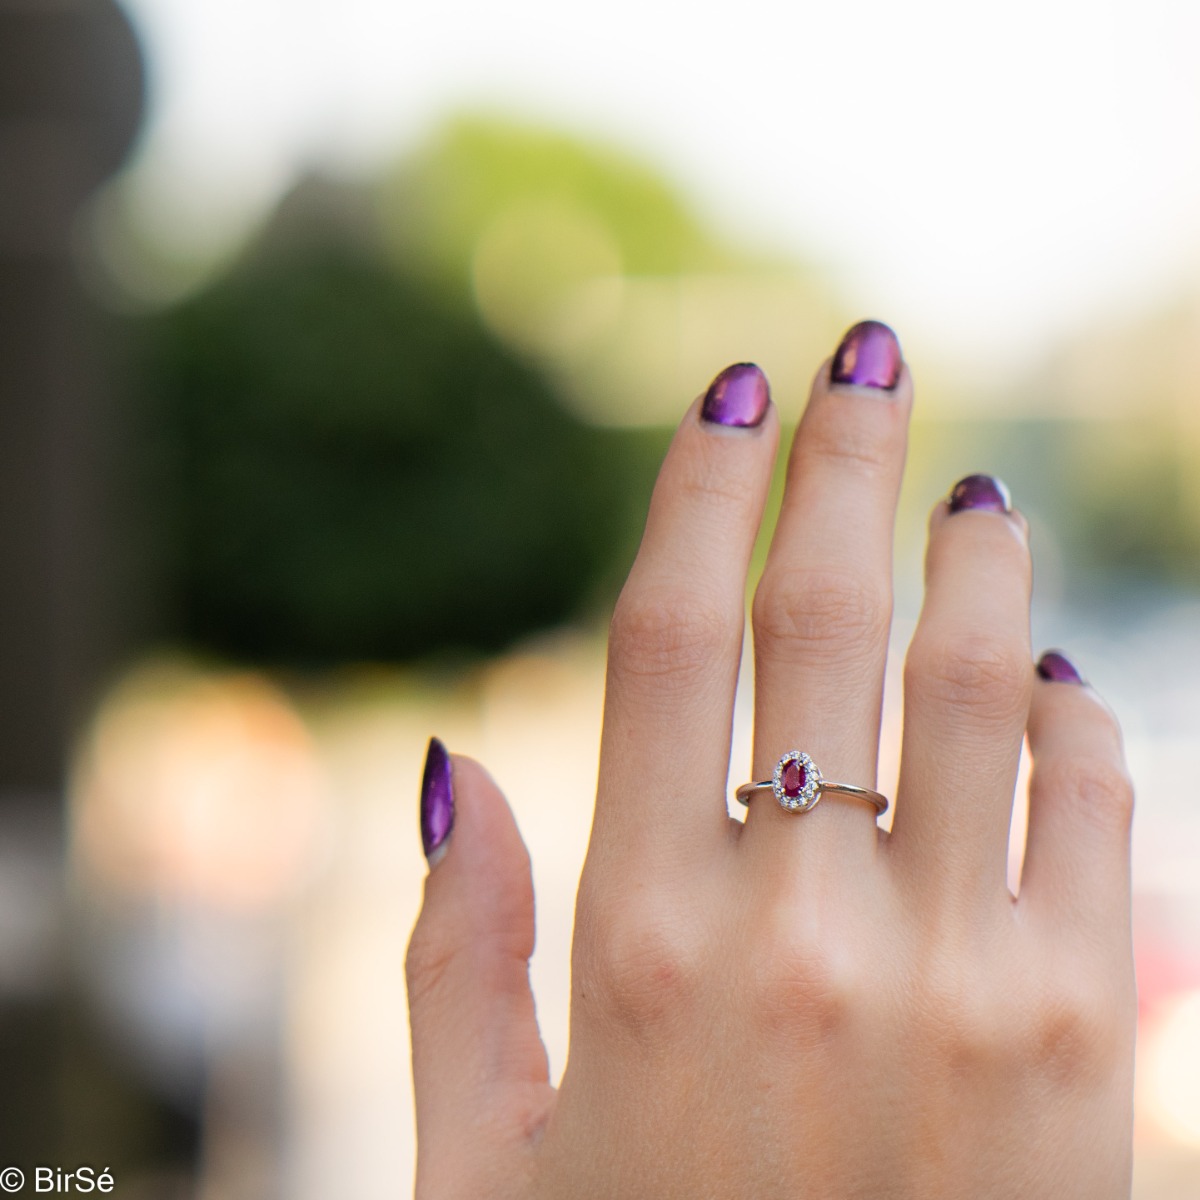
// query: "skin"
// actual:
[[803, 1006]]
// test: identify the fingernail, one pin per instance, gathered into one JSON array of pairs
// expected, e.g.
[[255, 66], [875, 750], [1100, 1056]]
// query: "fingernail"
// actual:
[[437, 801], [869, 356], [1056, 667], [984, 492], [737, 397]]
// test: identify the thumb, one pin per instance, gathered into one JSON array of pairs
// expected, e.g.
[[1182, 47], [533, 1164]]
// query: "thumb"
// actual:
[[479, 1066]]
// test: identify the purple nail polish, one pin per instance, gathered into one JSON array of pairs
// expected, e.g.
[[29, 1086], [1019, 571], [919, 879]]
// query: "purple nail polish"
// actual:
[[869, 356], [437, 798], [980, 492], [1056, 667], [737, 397]]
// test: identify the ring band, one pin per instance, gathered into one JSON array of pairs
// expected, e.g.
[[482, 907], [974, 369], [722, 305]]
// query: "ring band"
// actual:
[[798, 786]]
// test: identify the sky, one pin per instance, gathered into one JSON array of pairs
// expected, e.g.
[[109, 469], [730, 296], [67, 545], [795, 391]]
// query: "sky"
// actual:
[[993, 176]]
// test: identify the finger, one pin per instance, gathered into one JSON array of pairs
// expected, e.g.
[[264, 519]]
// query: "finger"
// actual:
[[1080, 806], [823, 607], [968, 680], [479, 1068], [676, 634]]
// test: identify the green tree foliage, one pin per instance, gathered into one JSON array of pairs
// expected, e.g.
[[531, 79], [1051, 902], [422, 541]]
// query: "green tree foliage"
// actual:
[[342, 469], [355, 440], [1133, 509], [439, 203]]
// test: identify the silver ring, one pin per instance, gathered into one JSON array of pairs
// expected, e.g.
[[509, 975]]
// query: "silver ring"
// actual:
[[798, 786]]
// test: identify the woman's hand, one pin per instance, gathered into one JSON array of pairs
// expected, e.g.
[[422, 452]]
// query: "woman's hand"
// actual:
[[803, 1006]]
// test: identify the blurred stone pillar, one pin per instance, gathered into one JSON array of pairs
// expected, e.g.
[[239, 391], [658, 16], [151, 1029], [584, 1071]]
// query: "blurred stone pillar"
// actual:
[[71, 84]]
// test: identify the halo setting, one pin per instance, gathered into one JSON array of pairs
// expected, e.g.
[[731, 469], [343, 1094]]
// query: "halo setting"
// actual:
[[796, 782]]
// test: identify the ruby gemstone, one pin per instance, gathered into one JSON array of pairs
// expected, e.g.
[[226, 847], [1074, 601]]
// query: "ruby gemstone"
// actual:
[[794, 779]]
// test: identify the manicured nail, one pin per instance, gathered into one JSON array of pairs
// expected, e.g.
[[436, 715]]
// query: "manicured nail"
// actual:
[[869, 356], [737, 397], [980, 492], [437, 801], [1056, 667]]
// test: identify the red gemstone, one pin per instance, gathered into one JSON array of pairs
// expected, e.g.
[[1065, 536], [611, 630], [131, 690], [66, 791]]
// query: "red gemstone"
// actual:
[[794, 779]]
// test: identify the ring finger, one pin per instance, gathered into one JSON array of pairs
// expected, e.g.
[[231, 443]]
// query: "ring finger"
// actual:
[[822, 612]]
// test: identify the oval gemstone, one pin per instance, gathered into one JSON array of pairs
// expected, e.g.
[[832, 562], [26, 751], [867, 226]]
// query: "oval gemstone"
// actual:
[[794, 779]]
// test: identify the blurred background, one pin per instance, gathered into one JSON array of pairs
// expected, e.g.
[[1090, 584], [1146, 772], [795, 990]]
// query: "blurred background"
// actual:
[[339, 344]]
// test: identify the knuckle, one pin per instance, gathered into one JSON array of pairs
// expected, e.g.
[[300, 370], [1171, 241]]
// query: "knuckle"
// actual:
[[867, 447], [802, 985], [965, 1028], [1100, 790], [644, 966], [1057, 1025], [973, 672], [706, 481], [1077, 1033], [427, 960], [820, 612], [669, 634]]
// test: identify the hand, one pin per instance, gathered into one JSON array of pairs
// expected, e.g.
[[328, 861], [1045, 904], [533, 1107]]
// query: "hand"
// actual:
[[803, 1006]]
